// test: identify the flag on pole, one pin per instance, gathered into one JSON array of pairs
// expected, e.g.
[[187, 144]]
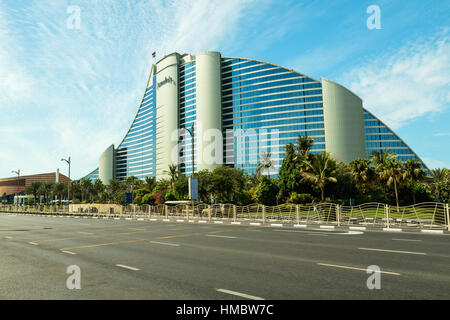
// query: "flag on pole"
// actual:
[[154, 54]]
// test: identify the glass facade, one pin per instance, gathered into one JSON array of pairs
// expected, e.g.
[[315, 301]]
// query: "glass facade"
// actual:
[[187, 116], [263, 108], [136, 155], [379, 137], [270, 106]]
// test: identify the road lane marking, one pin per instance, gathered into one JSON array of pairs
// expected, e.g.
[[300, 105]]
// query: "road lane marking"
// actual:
[[392, 229], [239, 294], [353, 268], [407, 240], [276, 224], [33, 243], [235, 223], [213, 235], [127, 267], [8, 237], [300, 225], [202, 221], [394, 251], [142, 240], [326, 227], [218, 221], [255, 223], [69, 252], [82, 232], [166, 243], [433, 231], [357, 228]]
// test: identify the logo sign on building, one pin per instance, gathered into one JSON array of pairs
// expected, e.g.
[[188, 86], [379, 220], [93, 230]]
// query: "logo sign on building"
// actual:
[[165, 81], [128, 197], [193, 188]]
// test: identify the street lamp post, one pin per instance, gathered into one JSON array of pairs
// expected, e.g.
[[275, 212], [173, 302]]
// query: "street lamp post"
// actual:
[[191, 132], [18, 177], [68, 183]]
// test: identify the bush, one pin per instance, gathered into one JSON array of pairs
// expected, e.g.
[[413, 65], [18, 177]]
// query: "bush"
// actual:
[[300, 198], [148, 199], [266, 191], [170, 196]]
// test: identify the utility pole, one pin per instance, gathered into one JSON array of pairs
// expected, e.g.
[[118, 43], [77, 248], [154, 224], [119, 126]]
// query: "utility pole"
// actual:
[[18, 177], [68, 183], [191, 132]]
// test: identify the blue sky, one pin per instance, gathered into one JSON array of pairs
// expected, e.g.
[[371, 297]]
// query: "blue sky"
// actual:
[[75, 91]]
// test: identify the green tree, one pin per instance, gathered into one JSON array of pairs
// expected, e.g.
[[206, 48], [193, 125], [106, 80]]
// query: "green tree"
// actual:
[[414, 173], [363, 174], [205, 185], [265, 164], [150, 183], [393, 173], [440, 184], [33, 189], [99, 188], [266, 191], [173, 173], [86, 187], [59, 189], [320, 171], [304, 145]]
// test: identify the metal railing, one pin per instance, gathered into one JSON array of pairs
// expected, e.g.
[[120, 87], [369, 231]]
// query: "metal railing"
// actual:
[[429, 215]]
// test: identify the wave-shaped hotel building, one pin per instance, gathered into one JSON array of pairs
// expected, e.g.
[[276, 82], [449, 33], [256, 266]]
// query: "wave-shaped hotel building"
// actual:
[[256, 106]]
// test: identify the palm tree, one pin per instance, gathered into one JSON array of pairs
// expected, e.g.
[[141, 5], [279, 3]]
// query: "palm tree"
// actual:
[[33, 189], [379, 160], [304, 145], [414, 173], [362, 173], [320, 171], [58, 189], [99, 187], [173, 173], [150, 183], [393, 173], [86, 187], [438, 176], [75, 188], [266, 163]]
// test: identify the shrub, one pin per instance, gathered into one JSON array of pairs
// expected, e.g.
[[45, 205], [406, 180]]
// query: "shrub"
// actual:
[[300, 198]]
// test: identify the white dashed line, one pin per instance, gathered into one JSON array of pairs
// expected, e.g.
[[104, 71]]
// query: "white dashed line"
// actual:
[[413, 240], [353, 268], [34, 243], [216, 236], [239, 294], [392, 229], [127, 267], [166, 244], [69, 252], [394, 251]]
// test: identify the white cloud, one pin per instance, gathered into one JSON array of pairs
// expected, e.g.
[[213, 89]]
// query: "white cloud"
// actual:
[[442, 134], [79, 89], [407, 84], [435, 164]]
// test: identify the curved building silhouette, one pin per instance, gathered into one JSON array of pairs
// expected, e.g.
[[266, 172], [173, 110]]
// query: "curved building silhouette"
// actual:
[[240, 110]]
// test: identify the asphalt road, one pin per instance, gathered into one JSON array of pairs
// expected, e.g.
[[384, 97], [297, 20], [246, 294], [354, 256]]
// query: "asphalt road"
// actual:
[[130, 259]]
